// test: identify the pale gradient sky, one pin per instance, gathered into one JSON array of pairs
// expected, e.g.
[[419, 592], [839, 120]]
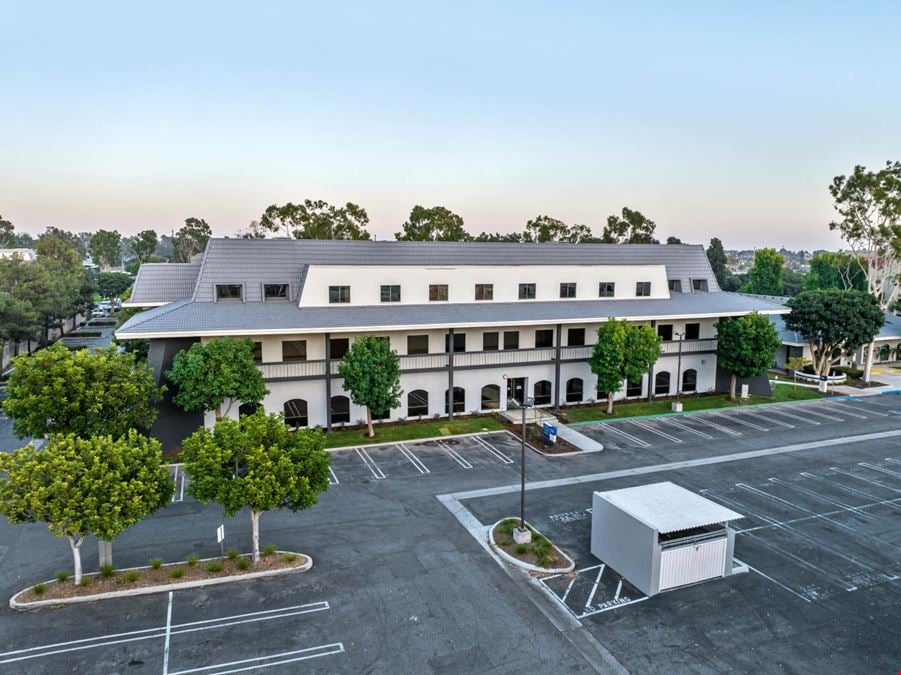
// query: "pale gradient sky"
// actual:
[[712, 119]]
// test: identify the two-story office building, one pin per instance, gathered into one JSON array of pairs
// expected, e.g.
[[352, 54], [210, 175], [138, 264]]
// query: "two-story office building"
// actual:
[[474, 324]]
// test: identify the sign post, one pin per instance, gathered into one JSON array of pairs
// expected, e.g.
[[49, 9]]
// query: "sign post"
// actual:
[[220, 538]]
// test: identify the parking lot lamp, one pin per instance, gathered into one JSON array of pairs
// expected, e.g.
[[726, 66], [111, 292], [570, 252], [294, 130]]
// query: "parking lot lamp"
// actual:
[[677, 406], [523, 535]]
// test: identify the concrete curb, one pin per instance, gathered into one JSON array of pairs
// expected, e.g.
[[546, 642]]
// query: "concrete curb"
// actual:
[[161, 588], [524, 565]]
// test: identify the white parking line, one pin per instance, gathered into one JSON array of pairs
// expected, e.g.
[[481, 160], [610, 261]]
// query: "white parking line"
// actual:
[[648, 428], [881, 469], [854, 491], [685, 428], [619, 589], [454, 455], [870, 410], [374, 468], [773, 410], [168, 635], [704, 419], [768, 419], [332, 479], [893, 460], [569, 588], [822, 498], [736, 417], [864, 479], [845, 410], [810, 410], [307, 653], [779, 584], [637, 441], [494, 451], [594, 589], [414, 460], [812, 514]]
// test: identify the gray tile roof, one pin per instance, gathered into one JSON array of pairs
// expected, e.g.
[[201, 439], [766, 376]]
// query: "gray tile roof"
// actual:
[[207, 318], [158, 283]]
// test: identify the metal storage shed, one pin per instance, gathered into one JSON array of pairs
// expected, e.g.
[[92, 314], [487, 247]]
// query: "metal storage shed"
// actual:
[[661, 536]]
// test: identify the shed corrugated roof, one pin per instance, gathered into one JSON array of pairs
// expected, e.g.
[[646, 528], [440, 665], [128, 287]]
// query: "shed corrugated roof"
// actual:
[[667, 507]]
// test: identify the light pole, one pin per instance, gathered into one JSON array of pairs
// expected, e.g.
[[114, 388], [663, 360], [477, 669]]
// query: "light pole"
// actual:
[[522, 534], [677, 405]]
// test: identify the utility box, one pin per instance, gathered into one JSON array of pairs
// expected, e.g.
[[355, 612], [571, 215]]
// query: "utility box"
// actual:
[[661, 536]]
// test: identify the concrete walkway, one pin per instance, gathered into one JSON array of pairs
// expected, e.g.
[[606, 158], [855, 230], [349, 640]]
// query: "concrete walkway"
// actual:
[[578, 439]]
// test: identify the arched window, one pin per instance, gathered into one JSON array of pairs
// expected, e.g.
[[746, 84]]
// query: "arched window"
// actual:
[[340, 409], [542, 393], [417, 403], [491, 397], [574, 390], [690, 380], [248, 409], [661, 383], [634, 388], [459, 400], [296, 413], [885, 353]]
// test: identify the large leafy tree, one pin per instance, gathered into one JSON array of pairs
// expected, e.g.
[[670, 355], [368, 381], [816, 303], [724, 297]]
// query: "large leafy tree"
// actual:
[[834, 270], [68, 285], [191, 239], [869, 207], [371, 372], [433, 224], [24, 290], [58, 391], [631, 227], [506, 237], [259, 463], [113, 284], [765, 276], [716, 254], [622, 352], [546, 229], [834, 322], [84, 486], [316, 219], [143, 245], [7, 234], [208, 375], [106, 248], [746, 346]]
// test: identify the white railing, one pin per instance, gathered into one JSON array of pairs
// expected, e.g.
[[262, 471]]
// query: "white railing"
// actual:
[[292, 369], [688, 346]]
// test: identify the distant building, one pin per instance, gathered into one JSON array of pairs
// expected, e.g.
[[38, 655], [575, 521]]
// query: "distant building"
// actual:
[[26, 254]]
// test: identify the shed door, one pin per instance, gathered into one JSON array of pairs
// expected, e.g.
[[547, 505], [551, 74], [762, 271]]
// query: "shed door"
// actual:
[[689, 564]]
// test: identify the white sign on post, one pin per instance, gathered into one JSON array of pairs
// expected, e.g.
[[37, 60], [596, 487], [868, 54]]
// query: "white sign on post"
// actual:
[[220, 534]]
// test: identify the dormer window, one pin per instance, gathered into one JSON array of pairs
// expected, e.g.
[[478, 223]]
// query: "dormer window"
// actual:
[[699, 285], [229, 292], [643, 289], [275, 291], [338, 294], [675, 285]]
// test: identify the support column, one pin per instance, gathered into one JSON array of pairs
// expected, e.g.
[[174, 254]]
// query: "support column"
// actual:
[[449, 399], [328, 381], [557, 346], [651, 371]]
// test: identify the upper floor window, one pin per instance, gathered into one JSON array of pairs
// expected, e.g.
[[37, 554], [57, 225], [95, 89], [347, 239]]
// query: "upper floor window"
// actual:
[[257, 352], [229, 292], [692, 331], [391, 293], [665, 331], [338, 294], [606, 289], [484, 291], [459, 342], [511, 339], [568, 289], [294, 350], [575, 337], [337, 347], [699, 285], [417, 344], [489, 342], [544, 338], [643, 289], [527, 291], [275, 291], [437, 292], [675, 285]]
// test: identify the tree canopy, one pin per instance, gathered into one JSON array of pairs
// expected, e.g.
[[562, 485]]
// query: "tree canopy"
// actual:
[[7, 234], [371, 373], [256, 462], [622, 352], [191, 239], [143, 245], [834, 322], [765, 277], [746, 346], [206, 375], [542, 229], [84, 486], [316, 219], [631, 227], [432, 224], [56, 390], [106, 248], [834, 270], [113, 284], [716, 254]]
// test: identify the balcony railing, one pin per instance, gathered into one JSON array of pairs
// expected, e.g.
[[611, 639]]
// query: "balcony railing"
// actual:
[[462, 360]]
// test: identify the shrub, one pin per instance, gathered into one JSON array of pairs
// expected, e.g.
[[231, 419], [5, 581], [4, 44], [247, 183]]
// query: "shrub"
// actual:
[[38, 589], [269, 549], [177, 572], [242, 564], [507, 526], [214, 567], [521, 549], [854, 373], [232, 553], [106, 571], [192, 560], [156, 563], [62, 576], [85, 581], [131, 576], [289, 557]]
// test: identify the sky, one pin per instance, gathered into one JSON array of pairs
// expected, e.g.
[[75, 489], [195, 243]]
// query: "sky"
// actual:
[[713, 119]]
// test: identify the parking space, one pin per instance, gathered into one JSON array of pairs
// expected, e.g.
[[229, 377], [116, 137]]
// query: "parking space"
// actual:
[[592, 590]]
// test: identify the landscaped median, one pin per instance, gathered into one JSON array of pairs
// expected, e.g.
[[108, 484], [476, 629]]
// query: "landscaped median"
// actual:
[[539, 555], [398, 432], [158, 578]]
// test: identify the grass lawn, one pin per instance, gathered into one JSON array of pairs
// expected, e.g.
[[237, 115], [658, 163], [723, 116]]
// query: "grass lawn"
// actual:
[[781, 393], [410, 431]]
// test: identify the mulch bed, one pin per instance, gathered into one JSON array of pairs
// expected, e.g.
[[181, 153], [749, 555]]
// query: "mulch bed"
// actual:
[[503, 537], [151, 577], [536, 439]]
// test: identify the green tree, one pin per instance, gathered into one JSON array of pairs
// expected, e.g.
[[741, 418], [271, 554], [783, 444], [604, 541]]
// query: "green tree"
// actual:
[[259, 463], [64, 279], [7, 234], [717, 257], [834, 270], [622, 352], [869, 206], [546, 229], [632, 227], [834, 322], [371, 373], [433, 224], [673, 240], [22, 295], [317, 219], [113, 284], [206, 375], [54, 235], [144, 245], [191, 239], [509, 237], [84, 486], [106, 248], [765, 277], [746, 346], [58, 391]]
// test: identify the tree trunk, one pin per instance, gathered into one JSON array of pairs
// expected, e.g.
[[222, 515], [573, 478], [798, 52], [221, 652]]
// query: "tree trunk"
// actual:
[[371, 431], [75, 544], [732, 385], [868, 368], [255, 529], [609, 403]]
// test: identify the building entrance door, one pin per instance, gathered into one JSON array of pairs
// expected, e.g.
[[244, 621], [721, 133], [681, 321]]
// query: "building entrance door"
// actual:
[[516, 390]]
